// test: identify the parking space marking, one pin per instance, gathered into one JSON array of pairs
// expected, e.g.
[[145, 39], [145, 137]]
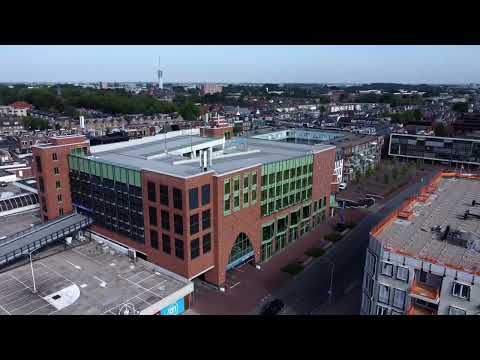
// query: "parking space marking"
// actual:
[[231, 287], [5, 310], [21, 282], [38, 309]]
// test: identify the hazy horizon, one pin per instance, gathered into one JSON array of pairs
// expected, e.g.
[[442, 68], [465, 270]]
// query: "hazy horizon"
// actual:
[[242, 64]]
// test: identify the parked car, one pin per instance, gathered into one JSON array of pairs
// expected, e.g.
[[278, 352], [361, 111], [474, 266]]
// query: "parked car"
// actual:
[[273, 308], [3, 184]]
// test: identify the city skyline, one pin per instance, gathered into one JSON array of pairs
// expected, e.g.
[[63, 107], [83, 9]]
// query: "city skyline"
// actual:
[[242, 64]]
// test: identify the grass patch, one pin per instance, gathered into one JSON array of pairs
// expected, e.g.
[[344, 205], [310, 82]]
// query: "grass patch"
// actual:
[[314, 252], [292, 269], [333, 237]]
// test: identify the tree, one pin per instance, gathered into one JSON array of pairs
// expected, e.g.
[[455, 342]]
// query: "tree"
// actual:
[[460, 107], [440, 130], [237, 129], [395, 173], [31, 123], [386, 179], [189, 111]]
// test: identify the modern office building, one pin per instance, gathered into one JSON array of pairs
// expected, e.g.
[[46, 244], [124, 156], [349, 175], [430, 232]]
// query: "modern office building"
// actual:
[[193, 205], [355, 153], [436, 149], [424, 258]]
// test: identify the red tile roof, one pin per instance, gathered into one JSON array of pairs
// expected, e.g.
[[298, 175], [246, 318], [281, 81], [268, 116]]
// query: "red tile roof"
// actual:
[[21, 105]]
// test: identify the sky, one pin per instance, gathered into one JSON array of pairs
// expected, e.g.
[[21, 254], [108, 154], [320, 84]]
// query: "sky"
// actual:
[[451, 64]]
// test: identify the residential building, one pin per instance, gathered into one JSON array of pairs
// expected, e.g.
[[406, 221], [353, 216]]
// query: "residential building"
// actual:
[[190, 204], [211, 89], [424, 257]]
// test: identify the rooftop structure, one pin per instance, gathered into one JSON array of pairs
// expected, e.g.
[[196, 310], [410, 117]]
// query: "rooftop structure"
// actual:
[[425, 256], [92, 280]]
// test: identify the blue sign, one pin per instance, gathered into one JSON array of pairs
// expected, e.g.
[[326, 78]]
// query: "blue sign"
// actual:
[[174, 309]]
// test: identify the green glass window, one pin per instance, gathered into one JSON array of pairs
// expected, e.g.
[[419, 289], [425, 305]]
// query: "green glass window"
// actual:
[[245, 181], [285, 201], [254, 196], [236, 183], [279, 190], [271, 192], [268, 232], [271, 179], [271, 207], [254, 178], [279, 176], [292, 185], [245, 199], [299, 171], [226, 205], [236, 202], [264, 209], [305, 169], [285, 175], [278, 204], [292, 173], [264, 195], [264, 180], [285, 188]]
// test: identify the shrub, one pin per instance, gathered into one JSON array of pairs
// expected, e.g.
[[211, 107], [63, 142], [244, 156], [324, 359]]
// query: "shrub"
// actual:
[[292, 269], [333, 237], [315, 252], [350, 224]]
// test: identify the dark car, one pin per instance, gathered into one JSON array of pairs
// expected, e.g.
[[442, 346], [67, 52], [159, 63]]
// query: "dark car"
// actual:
[[273, 308], [3, 184]]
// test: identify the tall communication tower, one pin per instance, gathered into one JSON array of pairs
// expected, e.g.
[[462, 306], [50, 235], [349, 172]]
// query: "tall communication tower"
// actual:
[[160, 75]]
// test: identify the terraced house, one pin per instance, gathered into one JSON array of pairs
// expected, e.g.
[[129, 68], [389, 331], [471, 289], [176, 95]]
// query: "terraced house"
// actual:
[[196, 206]]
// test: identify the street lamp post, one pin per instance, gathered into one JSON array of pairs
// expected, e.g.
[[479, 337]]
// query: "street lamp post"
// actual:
[[31, 267], [330, 290]]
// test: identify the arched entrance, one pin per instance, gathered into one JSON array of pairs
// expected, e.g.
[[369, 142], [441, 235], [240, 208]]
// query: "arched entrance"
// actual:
[[242, 251]]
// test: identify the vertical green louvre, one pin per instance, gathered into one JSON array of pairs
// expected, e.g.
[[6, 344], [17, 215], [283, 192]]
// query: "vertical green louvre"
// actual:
[[107, 171], [286, 183]]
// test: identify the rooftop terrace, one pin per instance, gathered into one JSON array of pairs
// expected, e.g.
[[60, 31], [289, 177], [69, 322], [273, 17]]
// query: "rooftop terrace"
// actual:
[[419, 228]]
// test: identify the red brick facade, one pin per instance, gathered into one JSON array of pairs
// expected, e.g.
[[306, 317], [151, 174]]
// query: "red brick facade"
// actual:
[[49, 198], [223, 229], [217, 132]]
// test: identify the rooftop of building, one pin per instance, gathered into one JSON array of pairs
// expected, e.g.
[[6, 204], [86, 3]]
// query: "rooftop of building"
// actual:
[[87, 280], [239, 153], [419, 228]]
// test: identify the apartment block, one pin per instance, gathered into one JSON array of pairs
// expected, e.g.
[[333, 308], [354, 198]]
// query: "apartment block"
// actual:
[[424, 258]]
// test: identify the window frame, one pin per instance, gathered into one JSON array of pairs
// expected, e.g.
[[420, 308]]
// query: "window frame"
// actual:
[[462, 286], [383, 266], [456, 308], [194, 245], [209, 247], [194, 224], [193, 202], [380, 300], [402, 268], [180, 245], [205, 198]]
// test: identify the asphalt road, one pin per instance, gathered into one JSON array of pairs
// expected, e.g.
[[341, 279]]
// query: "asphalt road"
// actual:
[[308, 293]]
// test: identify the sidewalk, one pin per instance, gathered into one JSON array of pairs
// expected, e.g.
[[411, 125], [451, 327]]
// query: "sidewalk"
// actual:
[[248, 288]]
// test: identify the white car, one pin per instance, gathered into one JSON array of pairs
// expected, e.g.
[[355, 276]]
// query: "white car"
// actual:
[[342, 186]]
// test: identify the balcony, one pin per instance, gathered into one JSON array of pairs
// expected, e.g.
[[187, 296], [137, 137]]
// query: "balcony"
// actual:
[[425, 292], [420, 310]]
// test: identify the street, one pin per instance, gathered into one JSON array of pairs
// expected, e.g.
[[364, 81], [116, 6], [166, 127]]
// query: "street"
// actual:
[[308, 293]]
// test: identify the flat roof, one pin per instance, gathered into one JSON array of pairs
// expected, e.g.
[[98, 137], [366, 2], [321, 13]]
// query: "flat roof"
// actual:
[[446, 206], [89, 280], [239, 153]]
